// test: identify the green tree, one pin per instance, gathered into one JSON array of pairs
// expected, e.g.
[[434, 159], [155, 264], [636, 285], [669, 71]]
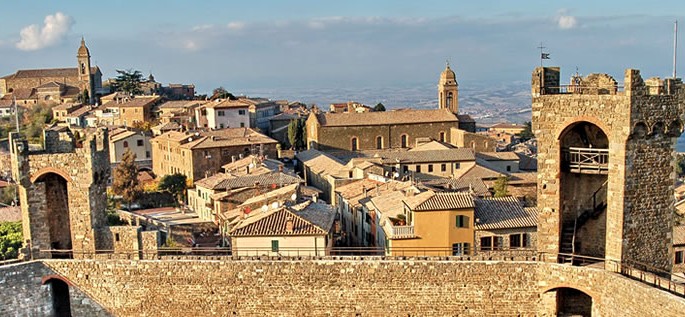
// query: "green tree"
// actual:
[[128, 81], [126, 178], [222, 93], [527, 132], [297, 134], [379, 107], [10, 240], [174, 184], [34, 121], [500, 187], [83, 97]]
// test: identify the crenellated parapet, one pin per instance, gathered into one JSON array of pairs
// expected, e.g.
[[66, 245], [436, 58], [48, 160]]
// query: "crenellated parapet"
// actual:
[[620, 139]]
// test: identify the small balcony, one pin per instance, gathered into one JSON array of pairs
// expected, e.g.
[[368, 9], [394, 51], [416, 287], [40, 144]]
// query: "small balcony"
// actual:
[[585, 160], [403, 232]]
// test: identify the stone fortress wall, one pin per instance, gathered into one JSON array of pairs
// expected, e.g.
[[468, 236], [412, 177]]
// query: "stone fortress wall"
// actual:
[[638, 124], [323, 287]]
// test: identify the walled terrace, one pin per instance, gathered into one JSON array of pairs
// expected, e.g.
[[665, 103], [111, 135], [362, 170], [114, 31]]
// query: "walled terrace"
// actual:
[[331, 286]]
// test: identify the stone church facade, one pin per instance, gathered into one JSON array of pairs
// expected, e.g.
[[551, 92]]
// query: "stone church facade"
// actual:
[[59, 85], [392, 129]]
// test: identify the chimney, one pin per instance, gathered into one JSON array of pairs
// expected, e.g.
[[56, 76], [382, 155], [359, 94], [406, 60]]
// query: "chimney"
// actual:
[[409, 192], [232, 158], [289, 225], [280, 168], [315, 197], [366, 194], [240, 156]]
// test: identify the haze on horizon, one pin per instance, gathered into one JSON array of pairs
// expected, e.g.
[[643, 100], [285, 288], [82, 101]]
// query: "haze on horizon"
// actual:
[[306, 44]]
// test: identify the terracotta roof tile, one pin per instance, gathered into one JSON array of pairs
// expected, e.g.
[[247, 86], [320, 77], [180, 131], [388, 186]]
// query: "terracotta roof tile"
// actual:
[[48, 72], [498, 156], [385, 117], [428, 201], [504, 213], [679, 235], [445, 155], [320, 162], [313, 219]]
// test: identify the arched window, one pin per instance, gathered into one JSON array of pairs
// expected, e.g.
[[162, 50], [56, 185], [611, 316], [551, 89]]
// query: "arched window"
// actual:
[[125, 143], [449, 100], [404, 139], [473, 144], [355, 145], [83, 68], [379, 142], [442, 136]]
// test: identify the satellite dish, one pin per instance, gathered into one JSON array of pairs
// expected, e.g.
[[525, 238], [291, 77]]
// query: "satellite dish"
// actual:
[[251, 166], [190, 139], [293, 197], [274, 205], [265, 208], [197, 133]]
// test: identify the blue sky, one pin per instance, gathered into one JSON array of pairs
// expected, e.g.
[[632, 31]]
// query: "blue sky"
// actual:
[[315, 44]]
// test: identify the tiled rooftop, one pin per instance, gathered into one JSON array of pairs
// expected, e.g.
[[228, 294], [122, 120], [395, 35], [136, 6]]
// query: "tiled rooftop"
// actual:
[[385, 117], [504, 213]]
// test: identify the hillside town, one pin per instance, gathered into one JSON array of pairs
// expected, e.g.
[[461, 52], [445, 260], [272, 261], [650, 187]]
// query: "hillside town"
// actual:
[[128, 168], [222, 170]]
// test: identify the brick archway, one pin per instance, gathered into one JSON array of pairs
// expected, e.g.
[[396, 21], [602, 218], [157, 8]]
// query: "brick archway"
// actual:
[[47, 170]]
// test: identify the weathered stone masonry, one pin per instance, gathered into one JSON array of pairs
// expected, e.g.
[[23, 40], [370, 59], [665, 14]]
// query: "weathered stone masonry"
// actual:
[[326, 287], [640, 127]]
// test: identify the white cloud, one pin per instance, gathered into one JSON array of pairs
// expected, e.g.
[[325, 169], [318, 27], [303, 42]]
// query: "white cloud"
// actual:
[[54, 29], [190, 45], [202, 27], [566, 22], [235, 25]]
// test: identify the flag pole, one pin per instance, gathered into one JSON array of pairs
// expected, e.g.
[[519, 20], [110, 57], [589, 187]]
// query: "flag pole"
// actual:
[[675, 46]]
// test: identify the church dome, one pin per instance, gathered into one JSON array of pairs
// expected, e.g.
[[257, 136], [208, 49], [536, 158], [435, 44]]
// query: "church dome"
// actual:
[[83, 50], [448, 74]]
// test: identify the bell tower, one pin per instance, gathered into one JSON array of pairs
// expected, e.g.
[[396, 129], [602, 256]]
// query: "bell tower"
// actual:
[[448, 90], [84, 70], [606, 167]]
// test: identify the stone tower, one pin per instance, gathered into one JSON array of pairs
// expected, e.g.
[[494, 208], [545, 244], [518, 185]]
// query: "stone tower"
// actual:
[[84, 70], [448, 90], [606, 166], [62, 191]]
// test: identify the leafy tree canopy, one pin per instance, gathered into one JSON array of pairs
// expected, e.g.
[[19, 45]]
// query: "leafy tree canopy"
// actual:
[[500, 187], [126, 178], [174, 184], [10, 240], [128, 81], [379, 107], [527, 133], [222, 93]]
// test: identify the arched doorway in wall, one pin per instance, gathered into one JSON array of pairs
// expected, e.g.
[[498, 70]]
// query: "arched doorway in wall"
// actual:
[[54, 188], [59, 291], [583, 191], [566, 301]]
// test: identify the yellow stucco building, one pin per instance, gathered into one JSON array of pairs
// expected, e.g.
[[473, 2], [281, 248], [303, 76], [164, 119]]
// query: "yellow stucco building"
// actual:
[[437, 224]]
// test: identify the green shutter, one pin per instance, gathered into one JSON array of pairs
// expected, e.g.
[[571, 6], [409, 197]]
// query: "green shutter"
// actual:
[[274, 245]]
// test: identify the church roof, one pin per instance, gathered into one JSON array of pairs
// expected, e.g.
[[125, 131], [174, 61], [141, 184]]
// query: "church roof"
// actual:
[[385, 117], [83, 50], [448, 73], [48, 72]]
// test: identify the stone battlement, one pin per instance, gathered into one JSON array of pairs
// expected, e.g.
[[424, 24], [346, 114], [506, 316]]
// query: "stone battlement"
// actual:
[[325, 287]]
